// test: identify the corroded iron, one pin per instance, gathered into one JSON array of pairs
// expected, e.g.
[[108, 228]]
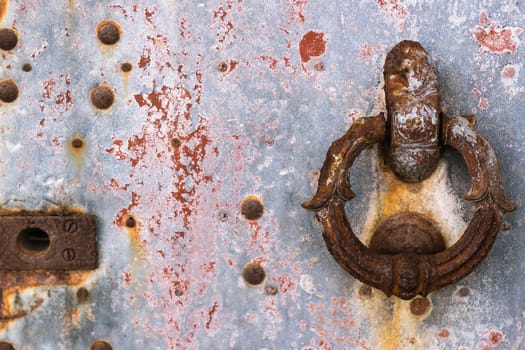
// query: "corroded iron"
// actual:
[[48, 242], [407, 254]]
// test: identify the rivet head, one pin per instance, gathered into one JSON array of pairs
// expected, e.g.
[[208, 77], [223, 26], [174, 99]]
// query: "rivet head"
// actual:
[[131, 222], [252, 208], [108, 33], [77, 143], [464, 292], [222, 67], [126, 67], [253, 273], [6, 346], [102, 97], [419, 306], [101, 345], [27, 67], [82, 294], [175, 142], [8, 91], [365, 291], [8, 39]]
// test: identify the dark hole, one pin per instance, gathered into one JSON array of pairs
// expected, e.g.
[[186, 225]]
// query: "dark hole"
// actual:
[[33, 240]]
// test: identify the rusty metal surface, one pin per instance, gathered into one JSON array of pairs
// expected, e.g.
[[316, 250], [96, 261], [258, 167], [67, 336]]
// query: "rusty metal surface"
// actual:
[[45, 242], [216, 101]]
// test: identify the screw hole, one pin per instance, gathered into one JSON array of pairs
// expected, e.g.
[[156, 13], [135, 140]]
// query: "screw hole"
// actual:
[[33, 240]]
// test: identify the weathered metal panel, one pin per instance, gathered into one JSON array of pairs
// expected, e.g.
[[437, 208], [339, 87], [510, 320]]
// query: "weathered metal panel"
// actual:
[[230, 99]]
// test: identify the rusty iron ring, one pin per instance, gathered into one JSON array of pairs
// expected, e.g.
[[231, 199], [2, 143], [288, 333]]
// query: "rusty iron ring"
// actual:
[[409, 274]]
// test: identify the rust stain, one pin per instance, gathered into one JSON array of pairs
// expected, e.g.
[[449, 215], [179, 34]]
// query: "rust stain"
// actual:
[[77, 148], [296, 11], [145, 58], [14, 282], [496, 39], [4, 5], [123, 214], [312, 45]]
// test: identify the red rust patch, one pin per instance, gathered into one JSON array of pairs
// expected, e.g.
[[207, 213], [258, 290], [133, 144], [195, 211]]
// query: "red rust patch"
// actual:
[[495, 39], [444, 333], [312, 45]]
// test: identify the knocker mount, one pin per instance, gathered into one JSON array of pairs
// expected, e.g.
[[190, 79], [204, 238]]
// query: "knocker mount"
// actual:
[[407, 254]]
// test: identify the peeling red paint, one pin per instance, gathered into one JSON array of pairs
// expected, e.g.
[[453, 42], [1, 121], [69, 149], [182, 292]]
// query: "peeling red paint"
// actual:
[[483, 103], [296, 11], [394, 10], [496, 39], [122, 214], [312, 45], [56, 89], [367, 52], [484, 18], [211, 313]]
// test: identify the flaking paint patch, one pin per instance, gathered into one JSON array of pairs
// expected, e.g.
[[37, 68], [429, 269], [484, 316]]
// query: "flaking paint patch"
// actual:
[[394, 10], [494, 38]]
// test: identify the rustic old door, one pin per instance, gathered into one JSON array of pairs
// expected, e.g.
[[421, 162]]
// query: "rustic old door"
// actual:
[[194, 130]]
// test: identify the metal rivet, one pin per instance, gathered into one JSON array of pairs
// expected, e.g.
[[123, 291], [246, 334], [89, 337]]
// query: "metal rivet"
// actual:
[[6, 346], [131, 222], [175, 142], [27, 67], [252, 208], [82, 294], [101, 345], [102, 97], [126, 67], [271, 289], [8, 91], [108, 33], [365, 291], [464, 292], [77, 143], [253, 273], [8, 39], [419, 306], [222, 67]]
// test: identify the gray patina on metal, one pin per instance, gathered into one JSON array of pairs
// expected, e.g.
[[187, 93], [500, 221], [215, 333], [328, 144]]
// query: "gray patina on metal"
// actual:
[[208, 103]]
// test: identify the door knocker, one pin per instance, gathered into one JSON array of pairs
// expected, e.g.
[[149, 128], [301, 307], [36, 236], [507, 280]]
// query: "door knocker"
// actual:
[[412, 138]]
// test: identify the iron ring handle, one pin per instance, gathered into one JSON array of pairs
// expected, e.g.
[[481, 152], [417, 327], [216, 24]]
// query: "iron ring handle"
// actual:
[[409, 274]]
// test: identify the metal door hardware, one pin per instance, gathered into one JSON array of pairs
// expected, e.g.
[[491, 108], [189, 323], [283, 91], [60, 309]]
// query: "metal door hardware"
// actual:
[[45, 242], [407, 254]]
